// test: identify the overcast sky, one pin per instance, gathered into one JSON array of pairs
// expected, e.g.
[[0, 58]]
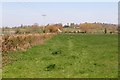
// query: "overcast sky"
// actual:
[[27, 13]]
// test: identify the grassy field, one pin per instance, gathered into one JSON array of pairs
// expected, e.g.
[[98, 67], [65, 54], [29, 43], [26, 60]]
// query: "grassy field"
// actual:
[[67, 56]]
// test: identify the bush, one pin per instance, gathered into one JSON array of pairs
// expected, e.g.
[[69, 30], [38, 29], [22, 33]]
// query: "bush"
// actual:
[[22, 41]]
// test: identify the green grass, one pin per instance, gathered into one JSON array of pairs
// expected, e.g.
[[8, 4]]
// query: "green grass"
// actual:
[[67, 56]]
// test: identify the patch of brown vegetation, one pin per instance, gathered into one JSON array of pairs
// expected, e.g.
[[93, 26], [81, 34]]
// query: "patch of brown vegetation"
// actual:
[[20, 42], [53, 28], [23, 41]]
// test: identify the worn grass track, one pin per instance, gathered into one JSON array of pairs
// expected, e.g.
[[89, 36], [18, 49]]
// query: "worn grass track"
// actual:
[[67, 56]]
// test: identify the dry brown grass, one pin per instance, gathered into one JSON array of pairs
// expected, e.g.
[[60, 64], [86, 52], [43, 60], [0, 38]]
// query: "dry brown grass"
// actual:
[[20, 42], [23, 41], [53, 28]]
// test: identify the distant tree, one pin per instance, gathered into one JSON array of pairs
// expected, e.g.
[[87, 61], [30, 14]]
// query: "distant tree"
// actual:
[[36, 24], [43, 31], [105, 31], [21, 25], [17, 31], [66, 26], [72, 24], [6, 27]]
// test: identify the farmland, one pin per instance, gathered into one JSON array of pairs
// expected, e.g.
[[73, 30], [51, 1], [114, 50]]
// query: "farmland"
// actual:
[[67, 56]]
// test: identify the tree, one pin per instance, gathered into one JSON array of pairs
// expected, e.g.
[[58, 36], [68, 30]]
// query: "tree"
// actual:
[[21, 25], [36, 24], [17, 31], [105, 30], [72, 24]]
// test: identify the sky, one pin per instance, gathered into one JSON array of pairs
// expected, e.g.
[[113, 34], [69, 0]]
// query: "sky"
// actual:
[[59, 0], [28, 13]]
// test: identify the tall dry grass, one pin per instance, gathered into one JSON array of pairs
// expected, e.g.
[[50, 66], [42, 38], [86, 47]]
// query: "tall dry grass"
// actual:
[[22, 41]]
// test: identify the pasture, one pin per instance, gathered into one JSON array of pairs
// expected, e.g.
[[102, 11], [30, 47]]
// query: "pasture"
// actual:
[[67, 56]]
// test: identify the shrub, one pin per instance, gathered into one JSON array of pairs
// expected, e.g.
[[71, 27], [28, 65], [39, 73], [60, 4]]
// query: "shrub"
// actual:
[[23, 41]]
